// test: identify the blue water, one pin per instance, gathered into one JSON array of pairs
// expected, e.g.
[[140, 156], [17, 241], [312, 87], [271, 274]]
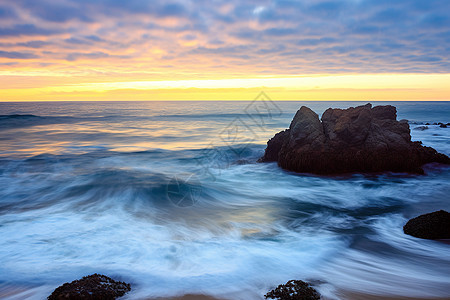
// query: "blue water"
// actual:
[[168, 196]]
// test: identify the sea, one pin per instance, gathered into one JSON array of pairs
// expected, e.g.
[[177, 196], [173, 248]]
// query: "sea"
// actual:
[[169, 197]]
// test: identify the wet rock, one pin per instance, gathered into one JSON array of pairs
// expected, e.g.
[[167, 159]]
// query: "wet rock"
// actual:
[[421, 128], [435, 225], [293, 290], [274, 146], [92, 287], [357, 139], [442, 125]]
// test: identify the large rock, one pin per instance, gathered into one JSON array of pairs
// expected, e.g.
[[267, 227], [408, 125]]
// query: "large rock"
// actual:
[[357, 139], [92, 287], [433, 226], [293, 290]]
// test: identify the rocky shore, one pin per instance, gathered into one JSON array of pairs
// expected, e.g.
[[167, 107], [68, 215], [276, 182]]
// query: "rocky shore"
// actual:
[[293, 290], [361, 139], [432, 226], [92, 287]]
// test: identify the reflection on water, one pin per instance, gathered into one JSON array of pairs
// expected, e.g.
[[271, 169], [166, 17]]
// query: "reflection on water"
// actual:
[[155, 194]]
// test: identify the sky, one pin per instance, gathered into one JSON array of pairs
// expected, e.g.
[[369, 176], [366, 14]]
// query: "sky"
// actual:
[[57, 50]]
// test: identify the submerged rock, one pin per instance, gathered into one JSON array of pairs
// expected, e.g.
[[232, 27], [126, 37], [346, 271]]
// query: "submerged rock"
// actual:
[[421, 128], [433, 226], [357, 139], [293, 290], [92, 287]]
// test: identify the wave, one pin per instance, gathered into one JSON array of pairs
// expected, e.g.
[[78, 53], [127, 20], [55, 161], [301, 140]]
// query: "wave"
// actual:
[[17, 116], [203, 218], [159, 226], [217, 115], [100, 177], [17, 121]]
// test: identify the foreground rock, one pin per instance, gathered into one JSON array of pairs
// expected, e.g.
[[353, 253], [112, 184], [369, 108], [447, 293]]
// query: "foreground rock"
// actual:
[[433, 226], [293, 290], [92, 287], [357, 139]]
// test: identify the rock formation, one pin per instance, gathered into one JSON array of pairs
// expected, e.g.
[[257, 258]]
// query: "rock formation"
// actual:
[[431, 226], [92, 287], [357, 139], [293, 290]]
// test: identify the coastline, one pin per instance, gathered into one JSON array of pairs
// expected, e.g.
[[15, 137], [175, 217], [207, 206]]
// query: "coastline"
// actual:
[[343, 295], [348, 295], [24, 293], [189, 297]]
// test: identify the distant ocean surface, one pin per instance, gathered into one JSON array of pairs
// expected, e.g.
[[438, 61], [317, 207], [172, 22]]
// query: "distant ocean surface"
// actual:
[[168, 197]]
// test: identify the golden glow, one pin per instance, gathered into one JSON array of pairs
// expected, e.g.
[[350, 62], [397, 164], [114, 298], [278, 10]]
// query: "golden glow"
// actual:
[[154, 50], [52, 86]]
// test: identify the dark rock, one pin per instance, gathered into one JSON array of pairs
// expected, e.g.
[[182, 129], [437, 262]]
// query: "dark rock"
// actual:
[[421, 128], [427, 124], [274, 145], [293, 290], [92, 287], [357, 139], [435, 225], [442, 125]]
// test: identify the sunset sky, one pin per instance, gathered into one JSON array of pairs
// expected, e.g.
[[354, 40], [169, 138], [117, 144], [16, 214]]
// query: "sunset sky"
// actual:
[[224, 50]]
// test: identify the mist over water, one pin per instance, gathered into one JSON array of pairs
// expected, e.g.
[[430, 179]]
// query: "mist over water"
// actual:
[[168, 196]]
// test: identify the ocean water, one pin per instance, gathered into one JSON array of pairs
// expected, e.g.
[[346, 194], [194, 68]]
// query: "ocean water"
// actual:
[[168, 197]]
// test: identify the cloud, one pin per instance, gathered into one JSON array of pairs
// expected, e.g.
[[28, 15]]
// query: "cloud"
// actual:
[[79, 41], [265, 36], [57, 12], [26, 29], [34, 44], [29, 44], [327, 9], [91, 55], [317, 41], [7, 12], [17, 55], [278, 32]]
